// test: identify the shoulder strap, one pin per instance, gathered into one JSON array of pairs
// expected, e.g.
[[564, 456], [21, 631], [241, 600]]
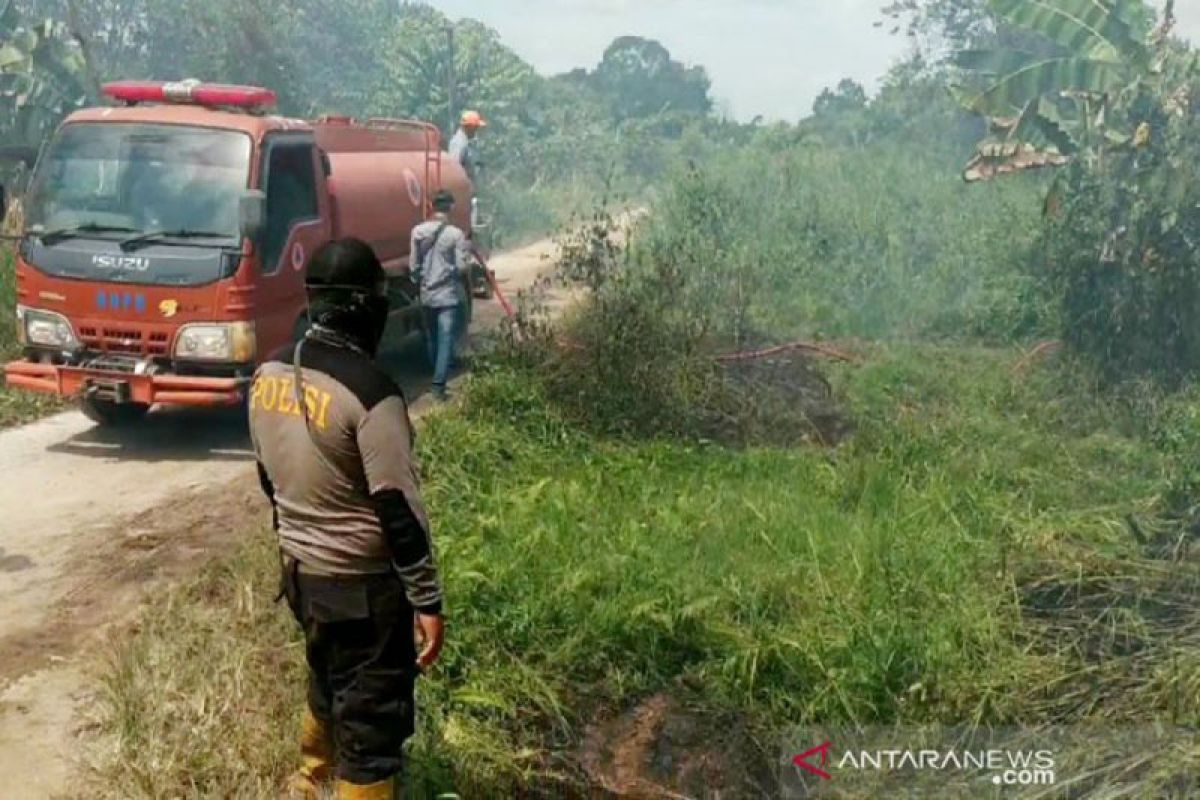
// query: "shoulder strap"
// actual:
[[432, 246]]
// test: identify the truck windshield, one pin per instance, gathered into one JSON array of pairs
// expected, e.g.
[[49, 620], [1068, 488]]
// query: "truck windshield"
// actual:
[[114, 180]]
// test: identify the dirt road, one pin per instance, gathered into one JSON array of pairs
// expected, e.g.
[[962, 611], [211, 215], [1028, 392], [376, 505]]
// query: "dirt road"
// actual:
[[91, 520]]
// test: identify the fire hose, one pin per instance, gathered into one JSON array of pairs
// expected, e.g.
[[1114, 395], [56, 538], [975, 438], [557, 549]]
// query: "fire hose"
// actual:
[[811, 347], [492, 282]]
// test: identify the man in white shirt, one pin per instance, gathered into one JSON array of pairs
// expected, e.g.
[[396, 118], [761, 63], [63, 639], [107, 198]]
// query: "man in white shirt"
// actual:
[[462, 144]]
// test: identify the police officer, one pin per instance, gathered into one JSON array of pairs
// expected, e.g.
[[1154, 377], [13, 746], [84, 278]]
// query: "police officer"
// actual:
[[335, 456]]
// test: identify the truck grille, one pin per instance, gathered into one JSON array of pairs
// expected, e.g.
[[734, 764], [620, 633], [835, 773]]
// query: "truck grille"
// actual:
[[124, 340]]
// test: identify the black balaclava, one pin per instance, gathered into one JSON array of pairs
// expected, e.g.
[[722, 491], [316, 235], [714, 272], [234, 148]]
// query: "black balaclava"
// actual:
[[358, 318], [347, 295]]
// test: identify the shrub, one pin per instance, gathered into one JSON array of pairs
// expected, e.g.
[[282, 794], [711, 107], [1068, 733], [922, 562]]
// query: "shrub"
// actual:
[[8, 299], [761, 248], [1124, 257]]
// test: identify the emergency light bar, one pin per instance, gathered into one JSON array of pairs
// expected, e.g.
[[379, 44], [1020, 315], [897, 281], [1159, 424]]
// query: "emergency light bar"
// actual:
[[190, 93]]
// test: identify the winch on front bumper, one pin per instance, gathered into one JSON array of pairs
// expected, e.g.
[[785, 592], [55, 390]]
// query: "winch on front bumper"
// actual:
[[125, 379]]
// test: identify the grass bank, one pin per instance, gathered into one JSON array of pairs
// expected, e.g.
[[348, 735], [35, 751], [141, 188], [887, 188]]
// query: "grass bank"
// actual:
[[878, 243], [900, 577], [16, 407], [992, 544]]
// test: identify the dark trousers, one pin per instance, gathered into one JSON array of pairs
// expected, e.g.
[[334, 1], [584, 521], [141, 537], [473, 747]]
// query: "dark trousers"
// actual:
[[358, 634]]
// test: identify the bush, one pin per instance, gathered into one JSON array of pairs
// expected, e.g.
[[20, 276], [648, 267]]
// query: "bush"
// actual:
[[628, 360], [871, 243], [763, 248], [8, 300], [1124, 257], [15, 406], [537, 180]]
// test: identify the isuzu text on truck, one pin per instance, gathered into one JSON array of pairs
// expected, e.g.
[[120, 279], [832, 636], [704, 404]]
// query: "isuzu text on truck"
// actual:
[[167, 237]]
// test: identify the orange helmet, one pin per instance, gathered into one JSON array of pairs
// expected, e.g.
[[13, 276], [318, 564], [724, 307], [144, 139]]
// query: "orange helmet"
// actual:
[[473, 119]]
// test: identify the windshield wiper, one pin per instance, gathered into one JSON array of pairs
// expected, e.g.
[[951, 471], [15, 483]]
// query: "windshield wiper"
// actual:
[[53, 237], [155, 237]]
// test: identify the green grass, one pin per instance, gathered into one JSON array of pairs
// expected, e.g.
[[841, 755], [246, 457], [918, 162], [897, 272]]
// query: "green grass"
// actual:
[[878, 582], [16, 406], [966, 555], [873, 243]]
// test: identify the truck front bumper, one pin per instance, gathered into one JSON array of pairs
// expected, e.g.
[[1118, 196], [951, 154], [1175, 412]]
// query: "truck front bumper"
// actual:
[[147, 389]]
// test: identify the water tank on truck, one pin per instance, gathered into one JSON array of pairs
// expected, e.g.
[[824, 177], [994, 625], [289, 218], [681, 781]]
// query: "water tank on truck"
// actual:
[[168, 236], [382, 175]]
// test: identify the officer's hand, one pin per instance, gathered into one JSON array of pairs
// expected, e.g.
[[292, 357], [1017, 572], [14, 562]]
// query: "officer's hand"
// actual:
[[433, 636]]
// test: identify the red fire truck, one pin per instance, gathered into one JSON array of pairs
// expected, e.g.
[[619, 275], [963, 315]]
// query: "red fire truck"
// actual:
[[167, 238]]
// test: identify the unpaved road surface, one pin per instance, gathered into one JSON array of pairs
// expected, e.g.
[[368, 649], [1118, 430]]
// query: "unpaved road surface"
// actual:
[[91, 520]]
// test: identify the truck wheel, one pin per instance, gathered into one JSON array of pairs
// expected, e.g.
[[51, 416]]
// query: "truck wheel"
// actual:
[[468, 313], [482, 289], [110, 414]]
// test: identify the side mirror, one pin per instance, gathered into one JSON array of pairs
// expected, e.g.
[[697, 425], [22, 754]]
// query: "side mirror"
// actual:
[[479, 220], [252, 214]]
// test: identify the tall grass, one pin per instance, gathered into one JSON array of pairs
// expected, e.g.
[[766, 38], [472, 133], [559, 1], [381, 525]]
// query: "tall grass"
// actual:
[[762, 246], [880, 582], [536, 183], [8, 300], [966, 556], [879, 242], [15, 406]]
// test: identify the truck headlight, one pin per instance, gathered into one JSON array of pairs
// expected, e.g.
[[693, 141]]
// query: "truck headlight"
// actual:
[[45, 329], [233, 342]]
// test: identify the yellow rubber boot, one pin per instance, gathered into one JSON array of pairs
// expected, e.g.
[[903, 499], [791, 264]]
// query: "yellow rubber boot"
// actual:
[[384, 790], [316, 759]]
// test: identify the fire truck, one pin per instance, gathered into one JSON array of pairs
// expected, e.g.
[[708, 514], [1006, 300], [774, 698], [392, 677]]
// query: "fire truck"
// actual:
[[167, 237]]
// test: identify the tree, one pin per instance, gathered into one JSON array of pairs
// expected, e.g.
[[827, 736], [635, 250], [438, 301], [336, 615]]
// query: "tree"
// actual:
[[1117, 102], [938, 26], [43, 77], [345, 45], [354, 40], [111, 34], [1082, 93], [914, 110], [236, 41], [849, 97], [441, 68], [640, 79]]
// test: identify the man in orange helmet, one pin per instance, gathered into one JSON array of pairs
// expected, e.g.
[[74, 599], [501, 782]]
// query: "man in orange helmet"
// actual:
[[462, 144]]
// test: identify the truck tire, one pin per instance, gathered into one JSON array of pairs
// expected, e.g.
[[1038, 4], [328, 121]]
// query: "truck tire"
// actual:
[[468, 312], [112, 415], [481, 287]]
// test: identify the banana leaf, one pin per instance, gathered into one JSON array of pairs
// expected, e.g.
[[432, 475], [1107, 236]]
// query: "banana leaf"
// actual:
[[992, 61], [1049, 76], [1091, 29]]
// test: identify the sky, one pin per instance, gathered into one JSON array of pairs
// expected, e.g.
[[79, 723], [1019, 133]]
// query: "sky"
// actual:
[[765, 57]]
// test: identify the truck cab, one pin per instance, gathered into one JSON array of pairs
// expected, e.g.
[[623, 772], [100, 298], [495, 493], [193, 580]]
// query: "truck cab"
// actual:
[[167, 239]]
